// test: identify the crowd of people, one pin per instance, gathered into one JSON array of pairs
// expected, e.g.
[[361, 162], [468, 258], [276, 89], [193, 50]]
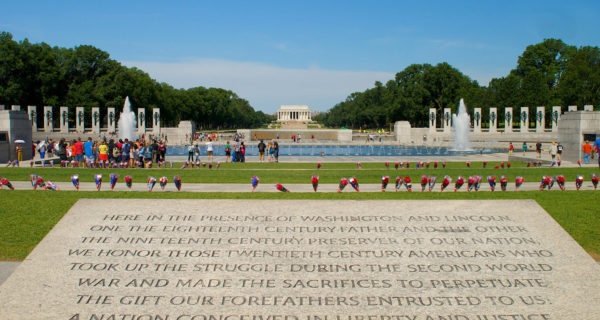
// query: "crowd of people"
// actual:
[[103, 153]]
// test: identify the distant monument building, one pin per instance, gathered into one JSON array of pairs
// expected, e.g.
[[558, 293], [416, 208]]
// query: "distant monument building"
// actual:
[[294, 113]]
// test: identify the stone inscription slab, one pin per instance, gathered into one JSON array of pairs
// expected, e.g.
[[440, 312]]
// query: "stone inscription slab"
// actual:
[[304, 260]]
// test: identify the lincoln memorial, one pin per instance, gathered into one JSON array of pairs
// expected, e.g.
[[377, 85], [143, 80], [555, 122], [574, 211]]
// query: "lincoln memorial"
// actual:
[[297, 113]]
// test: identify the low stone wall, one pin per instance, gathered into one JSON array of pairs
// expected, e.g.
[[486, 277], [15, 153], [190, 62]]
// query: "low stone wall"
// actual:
[[306, 134]]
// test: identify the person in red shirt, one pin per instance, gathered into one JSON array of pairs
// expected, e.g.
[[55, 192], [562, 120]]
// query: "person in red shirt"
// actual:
[[79, 152]]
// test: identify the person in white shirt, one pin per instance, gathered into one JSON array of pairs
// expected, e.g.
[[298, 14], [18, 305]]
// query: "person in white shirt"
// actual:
[[209, 150]]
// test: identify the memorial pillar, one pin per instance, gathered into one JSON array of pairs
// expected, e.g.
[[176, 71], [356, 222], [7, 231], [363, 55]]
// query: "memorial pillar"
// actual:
[[1, 107], [447, 120], [111, 121], [572, 108], [32, 112], [48, 119], [141, 121], [156, 119], [493, 120], [432, 120], [16, 107], [79, 120], [64, 119], [508, 118], [96, 120], [556, 114], [588, 107], [540, 118], [524, 119], [476, 120]]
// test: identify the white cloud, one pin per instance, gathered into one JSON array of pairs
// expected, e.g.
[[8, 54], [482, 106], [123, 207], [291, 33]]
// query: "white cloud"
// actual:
[[266, 87]]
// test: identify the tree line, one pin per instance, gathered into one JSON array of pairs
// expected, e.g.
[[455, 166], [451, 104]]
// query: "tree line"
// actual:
[[41, 75], [550, 73]]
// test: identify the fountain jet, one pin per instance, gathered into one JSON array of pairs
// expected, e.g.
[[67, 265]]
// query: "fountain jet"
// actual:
[[127, 122], [462, 128]]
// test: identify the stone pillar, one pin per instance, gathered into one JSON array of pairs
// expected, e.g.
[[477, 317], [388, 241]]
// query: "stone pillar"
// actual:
[[141, 121], [79, 120], [447, 120], [493, 120], [111, 120], [556, 113], [64, 119], [476, 120], [540, 119], [96, 120], [432, 120], [588, 107], [508, 118], [48, 119], [572, 108], [1, 107], [156, 121], [16, 107], [524, 119], [32, 112]]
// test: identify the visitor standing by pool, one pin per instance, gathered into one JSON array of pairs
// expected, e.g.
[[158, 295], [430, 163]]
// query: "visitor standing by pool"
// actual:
[[261, 151], [276, 150], [524, 147], [227, 152], [511, 148], [88, 149], [190, 153], [209, 150], [538, 149]]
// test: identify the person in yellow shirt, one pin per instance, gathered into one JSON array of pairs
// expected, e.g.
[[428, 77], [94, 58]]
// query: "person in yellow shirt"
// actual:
[[103, 154]]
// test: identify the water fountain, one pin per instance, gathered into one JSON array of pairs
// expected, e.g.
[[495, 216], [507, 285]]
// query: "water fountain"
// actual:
[[462, 129], [127, 122]]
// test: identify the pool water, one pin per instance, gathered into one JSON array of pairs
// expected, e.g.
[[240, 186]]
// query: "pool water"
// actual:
[[340, 150]]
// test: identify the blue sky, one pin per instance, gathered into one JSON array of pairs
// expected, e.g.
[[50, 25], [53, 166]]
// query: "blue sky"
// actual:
[[302, 52]]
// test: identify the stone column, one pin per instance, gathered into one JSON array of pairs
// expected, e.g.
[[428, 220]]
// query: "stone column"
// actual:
[[524, 119], [32, 112], [64, 119], [48, 119], [432, 120], [556, 113], [493, 120], [96, 120], [572, 108], [1, 107], [111, 121], [156, 121], [447, 120], [588, 107], [508, 118], [540, 119], [476, 120], [141, 121], [79, 120], [16, 107]]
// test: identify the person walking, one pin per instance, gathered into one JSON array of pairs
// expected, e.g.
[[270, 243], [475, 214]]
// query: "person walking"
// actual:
[[524, 147], [261, 151], [596, 147], [190, 153], [511, 148], [553, 150], [559, 151], [587, 151], [276, 150], [538, 149]]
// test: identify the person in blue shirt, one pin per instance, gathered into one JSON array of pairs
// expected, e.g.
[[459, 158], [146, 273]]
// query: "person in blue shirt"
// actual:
[[88, 149], [596, 147]]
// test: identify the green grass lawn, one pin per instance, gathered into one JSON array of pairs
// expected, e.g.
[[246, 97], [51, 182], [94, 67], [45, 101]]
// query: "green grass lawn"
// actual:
[[301, 172], [27, 216]]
